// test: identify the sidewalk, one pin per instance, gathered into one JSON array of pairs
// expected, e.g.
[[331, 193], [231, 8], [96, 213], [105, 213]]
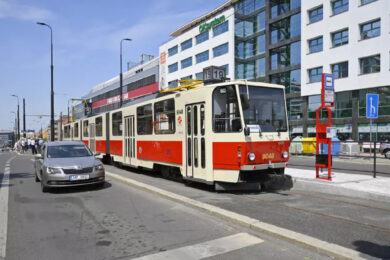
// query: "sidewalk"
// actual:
[[346, 184]]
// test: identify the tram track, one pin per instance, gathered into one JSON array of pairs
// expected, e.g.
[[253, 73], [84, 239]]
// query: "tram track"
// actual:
[[333, 217]]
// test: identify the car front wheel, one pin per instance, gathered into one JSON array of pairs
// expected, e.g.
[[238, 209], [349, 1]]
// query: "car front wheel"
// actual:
[[44, 188]]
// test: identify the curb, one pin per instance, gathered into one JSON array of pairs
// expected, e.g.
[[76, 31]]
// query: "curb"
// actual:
[[302, 240], [313, 185]]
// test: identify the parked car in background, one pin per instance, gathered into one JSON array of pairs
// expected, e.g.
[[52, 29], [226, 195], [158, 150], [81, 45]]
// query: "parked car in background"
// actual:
[[62, 164], [385, 149]]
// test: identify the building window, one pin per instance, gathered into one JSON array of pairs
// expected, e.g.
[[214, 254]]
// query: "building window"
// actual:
[[204, 36], [294, 109], [245, 70], [364, 2], [187, 77], [370, 30], [199, 75], [173, 83], [314, 102], [117, 124], [340, 38], [343, 105], [203, 56], [172, 68], [221, 28], [261, 44], [164, 115], [340, 6], [221, 50], [315, 45], [226, 66], [370, 64], [295, 25], [85, 128], [286, 56], [260, 21], [340, 70], [145, 120], [186, 45], [260, 67], [291, 80], [186, 63], [99, 126], [172, 51], [315, 75], [316, 15]]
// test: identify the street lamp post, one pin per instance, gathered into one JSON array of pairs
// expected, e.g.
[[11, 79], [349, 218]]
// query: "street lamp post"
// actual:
[[18, 133], [120, 75], [52, 88]]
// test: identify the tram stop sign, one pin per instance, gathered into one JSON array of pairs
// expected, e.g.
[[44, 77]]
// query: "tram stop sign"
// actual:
[[328, 89], [372, 102], [214, 74]]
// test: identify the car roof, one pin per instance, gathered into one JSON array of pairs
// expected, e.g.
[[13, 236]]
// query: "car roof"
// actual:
[[57, 143]]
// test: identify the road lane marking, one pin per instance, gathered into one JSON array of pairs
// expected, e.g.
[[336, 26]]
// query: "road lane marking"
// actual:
[[302, 240], [4, 191], [208, 248]]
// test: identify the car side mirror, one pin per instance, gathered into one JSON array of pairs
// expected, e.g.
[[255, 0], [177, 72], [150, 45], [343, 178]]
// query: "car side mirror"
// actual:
[[247, 131]]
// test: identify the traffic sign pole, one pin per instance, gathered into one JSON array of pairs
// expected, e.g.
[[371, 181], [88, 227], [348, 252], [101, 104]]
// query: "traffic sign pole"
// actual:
[[372, 105]]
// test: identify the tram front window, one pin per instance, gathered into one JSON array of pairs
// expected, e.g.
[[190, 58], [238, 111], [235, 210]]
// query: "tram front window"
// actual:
[[264, 109]]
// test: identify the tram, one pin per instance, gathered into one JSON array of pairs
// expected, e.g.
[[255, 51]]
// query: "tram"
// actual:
[[227, 134]]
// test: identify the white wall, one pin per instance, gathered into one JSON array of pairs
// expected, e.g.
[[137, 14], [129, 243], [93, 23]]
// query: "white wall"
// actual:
[[198, 48], [350, 52]]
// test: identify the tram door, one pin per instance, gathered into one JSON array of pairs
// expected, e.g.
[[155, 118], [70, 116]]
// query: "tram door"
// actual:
[[92, 138], [195, 141], [129, 139]]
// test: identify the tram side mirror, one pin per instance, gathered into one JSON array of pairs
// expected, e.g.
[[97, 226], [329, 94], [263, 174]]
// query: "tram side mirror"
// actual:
[[247, 131], [244, 101]]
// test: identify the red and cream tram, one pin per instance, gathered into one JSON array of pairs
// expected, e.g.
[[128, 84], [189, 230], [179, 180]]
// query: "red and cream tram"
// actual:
[[226, 134]]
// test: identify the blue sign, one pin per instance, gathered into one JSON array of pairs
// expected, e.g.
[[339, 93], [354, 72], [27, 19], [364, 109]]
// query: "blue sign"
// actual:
[[372, 102], [329, 81]]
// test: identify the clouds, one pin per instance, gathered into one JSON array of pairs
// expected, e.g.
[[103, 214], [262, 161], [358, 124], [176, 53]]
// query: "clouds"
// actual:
[[10, 9]]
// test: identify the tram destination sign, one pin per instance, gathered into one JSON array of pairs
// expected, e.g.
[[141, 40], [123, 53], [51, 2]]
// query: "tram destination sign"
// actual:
[[214, 74]]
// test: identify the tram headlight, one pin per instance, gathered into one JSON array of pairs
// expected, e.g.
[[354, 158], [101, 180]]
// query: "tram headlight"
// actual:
[[251, 156], [285, 154]]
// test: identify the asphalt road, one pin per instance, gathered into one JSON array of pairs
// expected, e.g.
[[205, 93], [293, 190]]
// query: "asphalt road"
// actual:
[[120, 222], [354, 165], [359, 224]]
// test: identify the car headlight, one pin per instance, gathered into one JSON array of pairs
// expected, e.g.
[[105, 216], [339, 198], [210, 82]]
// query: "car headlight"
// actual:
[[99, 167], [51, 170], [285, 154], [251, 156]]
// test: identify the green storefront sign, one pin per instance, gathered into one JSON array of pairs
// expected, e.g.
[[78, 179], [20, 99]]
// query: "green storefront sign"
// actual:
[[208, 26]]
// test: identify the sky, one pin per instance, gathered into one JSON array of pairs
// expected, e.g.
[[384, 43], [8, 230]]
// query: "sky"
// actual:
[[86, 38]]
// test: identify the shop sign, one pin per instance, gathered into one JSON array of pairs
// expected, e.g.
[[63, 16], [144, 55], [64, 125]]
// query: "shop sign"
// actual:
[[384, 128], [365, 128], [311, 129], [208, 26]]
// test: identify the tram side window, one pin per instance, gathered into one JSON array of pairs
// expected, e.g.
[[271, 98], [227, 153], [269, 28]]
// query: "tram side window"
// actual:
[[145, 120], [99, 126], [164, 115], [76, 130], [85, 128], [117, 124], [226, 113], [67, 131]]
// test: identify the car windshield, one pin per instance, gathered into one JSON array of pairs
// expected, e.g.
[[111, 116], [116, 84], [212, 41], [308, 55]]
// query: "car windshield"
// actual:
[[67, 151], [264, 109]]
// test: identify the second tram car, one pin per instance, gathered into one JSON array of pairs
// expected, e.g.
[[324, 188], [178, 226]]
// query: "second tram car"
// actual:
[[223, 134]]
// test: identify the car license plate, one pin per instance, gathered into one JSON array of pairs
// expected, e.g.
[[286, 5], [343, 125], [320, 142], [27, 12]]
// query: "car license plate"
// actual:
[[78, 177]]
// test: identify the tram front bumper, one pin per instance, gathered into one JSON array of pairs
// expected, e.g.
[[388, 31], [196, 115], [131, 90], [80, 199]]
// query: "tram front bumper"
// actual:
[[256, 167]]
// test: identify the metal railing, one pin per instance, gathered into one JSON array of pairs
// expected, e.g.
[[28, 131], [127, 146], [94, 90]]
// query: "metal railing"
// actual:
[[347, 151]]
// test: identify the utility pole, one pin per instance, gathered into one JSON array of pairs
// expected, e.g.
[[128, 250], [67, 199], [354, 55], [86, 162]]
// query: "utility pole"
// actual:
[[60, 130], [120, 74], [24, 118]]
